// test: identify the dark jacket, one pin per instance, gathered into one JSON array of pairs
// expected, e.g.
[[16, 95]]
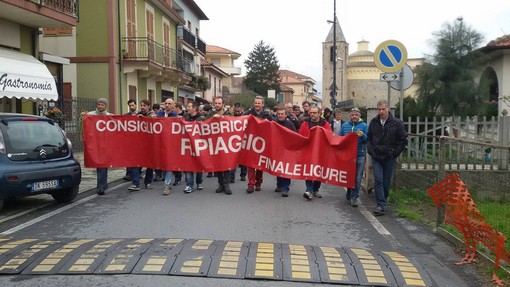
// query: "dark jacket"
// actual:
[[196, 117], [262, 115], [388, 141], [286, 123], [294, 120], [213, 112]]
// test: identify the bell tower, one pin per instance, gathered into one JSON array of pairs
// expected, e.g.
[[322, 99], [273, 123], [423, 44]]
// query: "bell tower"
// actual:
[[329, 67]]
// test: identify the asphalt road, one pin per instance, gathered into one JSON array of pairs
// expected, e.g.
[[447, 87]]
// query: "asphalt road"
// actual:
[[263, 217]]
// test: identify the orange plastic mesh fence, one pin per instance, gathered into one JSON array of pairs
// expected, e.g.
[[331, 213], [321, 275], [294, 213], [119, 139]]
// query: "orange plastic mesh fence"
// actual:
[[461, 212]]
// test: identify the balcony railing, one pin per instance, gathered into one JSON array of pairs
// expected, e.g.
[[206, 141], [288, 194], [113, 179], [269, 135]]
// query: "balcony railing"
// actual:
[[201, 45], [68, 7], [184, 34], [145, 49]]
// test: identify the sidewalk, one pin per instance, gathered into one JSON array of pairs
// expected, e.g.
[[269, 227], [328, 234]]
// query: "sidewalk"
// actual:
[[88, 175]]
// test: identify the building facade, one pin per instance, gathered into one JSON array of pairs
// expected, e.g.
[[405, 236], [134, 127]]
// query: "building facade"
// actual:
[[303, 87], [32, 79], [132, 49], [225, 60]]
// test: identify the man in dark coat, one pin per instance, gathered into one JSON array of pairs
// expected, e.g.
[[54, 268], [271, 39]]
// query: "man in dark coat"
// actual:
[[386, 139], [282, 183]]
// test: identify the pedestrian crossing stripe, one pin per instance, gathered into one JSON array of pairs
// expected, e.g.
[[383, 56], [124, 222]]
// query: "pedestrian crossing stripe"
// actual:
[[210, 258]]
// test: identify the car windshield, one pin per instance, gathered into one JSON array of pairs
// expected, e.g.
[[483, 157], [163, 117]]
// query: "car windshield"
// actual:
[[30, 135]]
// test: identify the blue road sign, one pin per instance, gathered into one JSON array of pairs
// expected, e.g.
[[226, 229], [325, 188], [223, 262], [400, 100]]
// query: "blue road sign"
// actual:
[[390, 56]]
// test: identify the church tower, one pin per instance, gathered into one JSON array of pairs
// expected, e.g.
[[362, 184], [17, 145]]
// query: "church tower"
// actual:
[[342, 54]]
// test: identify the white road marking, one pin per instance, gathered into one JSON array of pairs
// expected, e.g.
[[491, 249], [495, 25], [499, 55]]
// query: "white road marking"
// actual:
[[10, 217], [46, 216], [379, 227]]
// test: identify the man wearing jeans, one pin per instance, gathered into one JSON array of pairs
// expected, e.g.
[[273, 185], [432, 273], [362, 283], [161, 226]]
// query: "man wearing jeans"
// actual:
[[168, 111], [360, 128], [386, 139], [193, 115], [102, 173], [315, 119]]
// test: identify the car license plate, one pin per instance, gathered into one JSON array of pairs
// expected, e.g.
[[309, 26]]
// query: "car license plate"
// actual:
[[42, 185]]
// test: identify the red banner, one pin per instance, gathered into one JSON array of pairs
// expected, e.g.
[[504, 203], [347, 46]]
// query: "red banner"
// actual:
[[219, 144]]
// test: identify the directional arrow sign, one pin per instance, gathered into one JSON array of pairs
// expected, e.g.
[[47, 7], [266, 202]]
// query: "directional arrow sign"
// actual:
[[390, 77]]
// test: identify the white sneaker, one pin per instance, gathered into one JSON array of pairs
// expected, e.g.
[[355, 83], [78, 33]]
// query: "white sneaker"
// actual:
[[200, 186], [188, 189], [308, 195]]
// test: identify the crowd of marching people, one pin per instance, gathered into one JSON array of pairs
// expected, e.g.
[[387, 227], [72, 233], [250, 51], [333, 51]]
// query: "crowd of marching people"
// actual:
[[384, 139]]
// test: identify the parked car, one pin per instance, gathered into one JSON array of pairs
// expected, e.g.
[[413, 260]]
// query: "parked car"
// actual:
[[36, 157]]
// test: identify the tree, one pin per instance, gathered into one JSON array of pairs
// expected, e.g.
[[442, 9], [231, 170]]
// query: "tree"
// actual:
[[446, 79], [262, 70]]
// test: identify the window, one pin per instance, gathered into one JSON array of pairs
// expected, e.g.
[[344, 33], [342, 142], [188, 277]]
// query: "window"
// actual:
[[216, 61], [281, 97]]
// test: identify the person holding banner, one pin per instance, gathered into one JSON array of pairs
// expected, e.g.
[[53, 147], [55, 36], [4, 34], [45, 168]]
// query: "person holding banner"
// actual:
[[145, 111], [238, 111], [386, 139], [315, 120], [305, 114], [132, 111], [101, 173], [358, 126], [291, 116], [168, 175], [223, 176], [255, 176], [282, 183], [191, 116]]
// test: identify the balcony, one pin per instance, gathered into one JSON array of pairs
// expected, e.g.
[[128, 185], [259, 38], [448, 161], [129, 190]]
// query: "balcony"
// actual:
[[185, 35], [232, 71], [155, 60], [189, 39], [41, 13], [201, 46]]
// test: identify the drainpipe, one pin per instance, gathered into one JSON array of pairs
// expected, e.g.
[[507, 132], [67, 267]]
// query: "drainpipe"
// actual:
[[120, 59]]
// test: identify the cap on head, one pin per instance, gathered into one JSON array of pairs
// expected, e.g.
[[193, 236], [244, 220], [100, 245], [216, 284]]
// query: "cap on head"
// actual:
[[102, 101], [355, 110]]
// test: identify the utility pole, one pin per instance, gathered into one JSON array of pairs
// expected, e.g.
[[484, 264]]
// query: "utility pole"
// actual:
[[333, 58]]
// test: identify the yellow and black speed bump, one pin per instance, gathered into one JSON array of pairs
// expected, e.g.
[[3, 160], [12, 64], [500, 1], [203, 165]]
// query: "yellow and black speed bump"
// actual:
[[299, 263], [264, 261], [211, 258], [404, 270], [122, 260], [371, 269], [12, 246], [88, 261], [160, 257], [229, 260], [195, 258], [50, 263], [15, 256], [335, 265]]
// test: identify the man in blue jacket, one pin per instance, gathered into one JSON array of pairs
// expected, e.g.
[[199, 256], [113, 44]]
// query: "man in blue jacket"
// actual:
[[358, 126], [386, 139]]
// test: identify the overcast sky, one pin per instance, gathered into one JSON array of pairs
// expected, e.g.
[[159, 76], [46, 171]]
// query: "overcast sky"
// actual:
[[297, 28]]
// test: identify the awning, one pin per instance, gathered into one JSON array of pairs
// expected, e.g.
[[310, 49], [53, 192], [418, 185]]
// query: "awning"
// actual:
[[23, 76]]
